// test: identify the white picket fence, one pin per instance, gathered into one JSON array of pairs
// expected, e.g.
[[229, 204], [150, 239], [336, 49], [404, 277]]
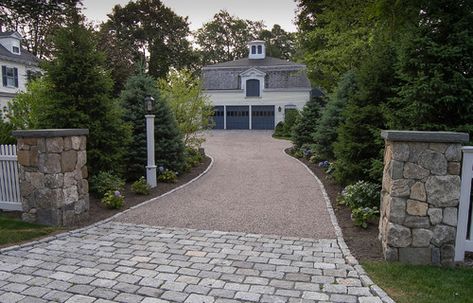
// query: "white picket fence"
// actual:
[[10, 198], [464, 239]]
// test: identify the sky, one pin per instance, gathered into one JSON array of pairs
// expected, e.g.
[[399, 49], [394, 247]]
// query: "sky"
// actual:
[[280, 12]]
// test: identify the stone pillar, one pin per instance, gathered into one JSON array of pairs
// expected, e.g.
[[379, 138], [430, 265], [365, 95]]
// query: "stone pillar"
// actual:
[[53, 175], [420, 196]]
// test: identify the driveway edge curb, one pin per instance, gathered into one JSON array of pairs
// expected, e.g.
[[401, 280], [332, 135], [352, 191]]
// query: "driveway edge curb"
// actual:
[[349, 258]]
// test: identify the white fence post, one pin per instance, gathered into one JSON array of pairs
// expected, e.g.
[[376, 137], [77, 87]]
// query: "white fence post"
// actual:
[[465, 210], [10, 198]]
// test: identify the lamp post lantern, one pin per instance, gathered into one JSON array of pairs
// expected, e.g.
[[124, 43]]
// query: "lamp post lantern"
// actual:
[[151, 166]]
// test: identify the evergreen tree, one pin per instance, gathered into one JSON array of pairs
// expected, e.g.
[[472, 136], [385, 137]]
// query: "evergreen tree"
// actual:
[[358, 149], [307, 123], [169, 145], [434, 67], [80, 98], [331, 117]]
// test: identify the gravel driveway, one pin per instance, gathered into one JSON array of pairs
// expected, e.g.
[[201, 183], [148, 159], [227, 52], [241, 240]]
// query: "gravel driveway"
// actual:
[[252, 187]]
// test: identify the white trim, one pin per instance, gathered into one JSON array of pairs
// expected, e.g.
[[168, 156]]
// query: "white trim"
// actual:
[[250, 117], [224, 117]]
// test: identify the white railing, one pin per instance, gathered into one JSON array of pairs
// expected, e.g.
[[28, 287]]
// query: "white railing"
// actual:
[[464, 240], [10, 198]]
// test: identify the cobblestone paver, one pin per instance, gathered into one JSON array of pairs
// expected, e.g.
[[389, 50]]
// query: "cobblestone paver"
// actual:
[[117, 262]]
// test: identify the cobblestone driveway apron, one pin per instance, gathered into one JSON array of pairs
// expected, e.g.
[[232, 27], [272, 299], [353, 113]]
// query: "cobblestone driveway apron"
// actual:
[[118, 262]]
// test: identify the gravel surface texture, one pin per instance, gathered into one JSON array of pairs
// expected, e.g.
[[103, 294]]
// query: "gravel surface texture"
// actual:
[[252, 187]]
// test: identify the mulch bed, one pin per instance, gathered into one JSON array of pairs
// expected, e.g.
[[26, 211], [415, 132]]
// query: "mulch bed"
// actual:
[[363, 243], [98, 212]]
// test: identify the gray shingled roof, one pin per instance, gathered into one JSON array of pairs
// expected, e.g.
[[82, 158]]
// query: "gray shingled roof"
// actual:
[[25, 55], [268, 61]]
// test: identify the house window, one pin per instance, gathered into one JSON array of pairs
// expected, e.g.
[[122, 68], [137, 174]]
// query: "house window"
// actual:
[[10, 76], [260, 49], [15, 49], [253, 49], [252, 88]]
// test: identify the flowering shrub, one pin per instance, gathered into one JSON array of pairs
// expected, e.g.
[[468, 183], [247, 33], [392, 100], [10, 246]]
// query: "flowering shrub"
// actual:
[[113, 199], [324, 164], [362, 215], [104, 182], [140, 187], [363, 198], [168, 176]]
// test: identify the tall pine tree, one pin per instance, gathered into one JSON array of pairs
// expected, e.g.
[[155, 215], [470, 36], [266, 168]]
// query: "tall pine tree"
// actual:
[[80, 98], [307, 123], [169, 145]]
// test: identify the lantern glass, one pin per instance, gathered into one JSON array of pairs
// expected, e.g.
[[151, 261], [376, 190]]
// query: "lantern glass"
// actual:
[[149, 104]]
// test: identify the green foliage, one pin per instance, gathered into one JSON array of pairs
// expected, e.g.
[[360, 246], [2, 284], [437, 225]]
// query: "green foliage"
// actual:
[[104, 182], [224, 38], [335, 37], [290, 120], [26, 108], [193, 157], [79, 97], [5, 132], [361, 216], [167, 176], [435, 54], [279, 43], [147, 32], [307, 123], [363, 198], [192, 109], [141, 187], [331, 118], [361, 194], [113, 199], [169, 146], [36, 21]]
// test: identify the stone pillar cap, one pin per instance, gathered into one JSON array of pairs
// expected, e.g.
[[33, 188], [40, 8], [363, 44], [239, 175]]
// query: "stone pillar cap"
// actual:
[[424, 136], [41, 133]]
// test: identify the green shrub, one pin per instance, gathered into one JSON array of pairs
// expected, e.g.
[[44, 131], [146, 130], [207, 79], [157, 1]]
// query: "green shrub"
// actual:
[[105, 182], [361, 216], [141, 187], [307, 123], [168, 176], [361, 194], [113, 199], [331, 117], [279, 129], [290, 119], [5, 133], [193, 157]]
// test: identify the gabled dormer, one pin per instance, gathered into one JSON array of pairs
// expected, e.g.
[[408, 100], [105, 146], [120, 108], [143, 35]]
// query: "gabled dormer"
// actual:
[[257, 49], [11, 41], [252, 82]]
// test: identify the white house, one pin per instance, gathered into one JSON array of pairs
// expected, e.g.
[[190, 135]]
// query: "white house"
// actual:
[[17, 66], [255, 92]]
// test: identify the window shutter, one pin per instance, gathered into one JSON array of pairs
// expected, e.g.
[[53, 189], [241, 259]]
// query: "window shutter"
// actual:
[[4, 75], [15, 71]]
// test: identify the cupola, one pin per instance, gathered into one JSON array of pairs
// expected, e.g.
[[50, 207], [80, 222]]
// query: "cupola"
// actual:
[[257, 49]]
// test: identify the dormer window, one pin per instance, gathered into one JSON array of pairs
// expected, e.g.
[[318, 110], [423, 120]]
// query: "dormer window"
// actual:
[[15, 50]]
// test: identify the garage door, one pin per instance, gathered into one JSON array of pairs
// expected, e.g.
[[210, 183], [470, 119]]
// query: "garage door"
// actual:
[[218, 117], [238, 117], [262, 117]]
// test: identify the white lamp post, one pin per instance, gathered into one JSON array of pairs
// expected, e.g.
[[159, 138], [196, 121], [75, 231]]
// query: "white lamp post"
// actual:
[[151, 167]]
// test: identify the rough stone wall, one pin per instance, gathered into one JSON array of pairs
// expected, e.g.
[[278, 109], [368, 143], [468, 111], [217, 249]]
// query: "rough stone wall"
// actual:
[[53, 179], [419, 201]]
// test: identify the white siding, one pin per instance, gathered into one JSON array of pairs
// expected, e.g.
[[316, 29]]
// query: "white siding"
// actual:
[[276, 98], [22, 79]]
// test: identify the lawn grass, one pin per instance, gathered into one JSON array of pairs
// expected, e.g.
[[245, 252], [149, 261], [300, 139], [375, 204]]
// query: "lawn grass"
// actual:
[[419, 284], [14, 231]]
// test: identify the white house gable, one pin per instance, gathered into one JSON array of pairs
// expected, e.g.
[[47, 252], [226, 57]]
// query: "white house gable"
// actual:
[[248, 80]]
